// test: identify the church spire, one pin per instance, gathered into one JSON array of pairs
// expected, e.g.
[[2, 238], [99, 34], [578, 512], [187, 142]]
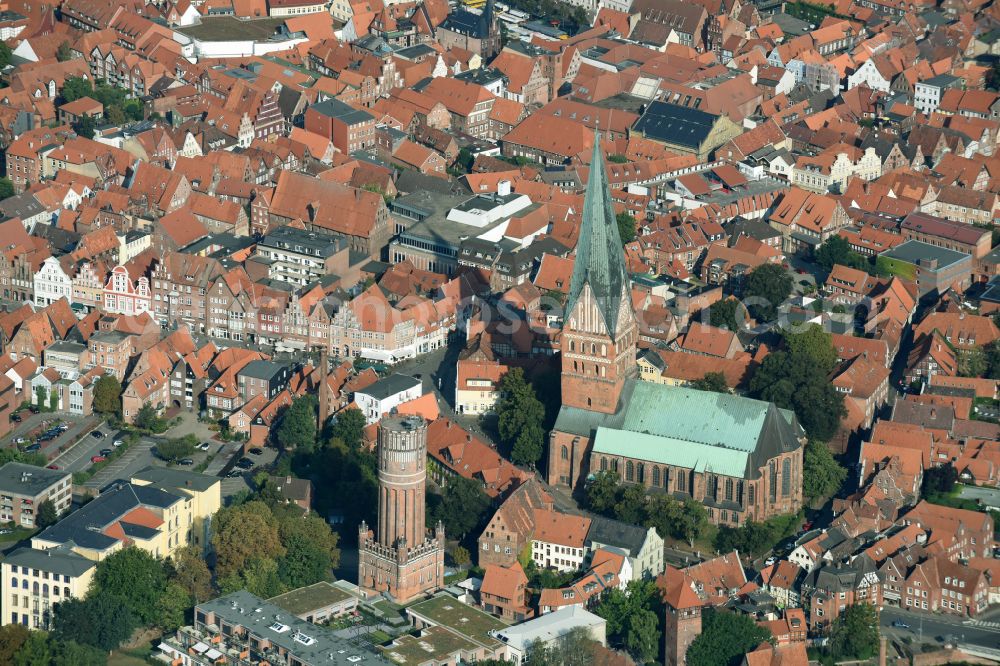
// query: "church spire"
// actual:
[[600, 258]]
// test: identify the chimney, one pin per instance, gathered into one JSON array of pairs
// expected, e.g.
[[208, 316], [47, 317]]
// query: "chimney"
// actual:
[[933, 413], [503, 188], [288, 479]]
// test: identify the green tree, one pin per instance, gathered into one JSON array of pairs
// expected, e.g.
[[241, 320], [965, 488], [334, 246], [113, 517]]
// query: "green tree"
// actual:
[[462, 507], [114, 115], [98, 620], [767, 287], [5, 55], [12, 637], [76, 87], [147, 418], [727, 313], [626, 227], [108, 396], [189, 570], [836, 250], [47, 514], [245, 532], [176, 448], [725, 637], [690, 520], [311, 549], [135, 579], [939, 480], [259, 576], [349, 427], [71, 653], [64, 52], [973, 362], [797, 378], [712, 381], [813, 344], [297, 430], [36, 651], [173, 603], [601, 492], [992, 352], [632, 618], [855, 633], [520, 416], [822, 475], [85, 127], [6, 186]]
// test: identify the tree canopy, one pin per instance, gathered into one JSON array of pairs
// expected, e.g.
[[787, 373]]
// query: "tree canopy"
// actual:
[[349, 427], [712, 381], [462, 507], [108, 396], [855, 633], [727, 313], [6, 186], [766, 288], [298, 425], [836, 250], [822, 475], [626, 227], [797, 378], [725, 637], [633, 618], [135, 579], [520, 418], [99, 620], [269, 550], [47, 514], [607, 495], [176, 448]]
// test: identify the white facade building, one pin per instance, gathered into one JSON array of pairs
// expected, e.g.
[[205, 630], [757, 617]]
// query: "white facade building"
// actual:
[[52, 283], [386, 395]]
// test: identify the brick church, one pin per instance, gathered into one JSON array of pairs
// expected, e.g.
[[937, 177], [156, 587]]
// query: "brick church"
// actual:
[[741, 458]]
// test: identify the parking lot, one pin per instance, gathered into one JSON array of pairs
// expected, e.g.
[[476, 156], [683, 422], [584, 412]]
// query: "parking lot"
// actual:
[[77, 457]]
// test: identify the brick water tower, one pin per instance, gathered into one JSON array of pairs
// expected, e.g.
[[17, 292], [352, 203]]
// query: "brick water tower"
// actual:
[[401, 559]]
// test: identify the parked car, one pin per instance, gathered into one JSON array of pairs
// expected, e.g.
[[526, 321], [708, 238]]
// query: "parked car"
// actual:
[[770, 561], [244, 463], [16, 418], [33, 409], [98, 434], [185, 461], [204, 446], [105, 452], [19, 440], [97, 459], [899, 624], [117, 443], [234, 474], [31, 448], [256, 451], [52, 467]]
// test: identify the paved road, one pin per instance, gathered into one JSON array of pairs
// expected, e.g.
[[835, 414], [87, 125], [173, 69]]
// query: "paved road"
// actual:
[[933, 626]]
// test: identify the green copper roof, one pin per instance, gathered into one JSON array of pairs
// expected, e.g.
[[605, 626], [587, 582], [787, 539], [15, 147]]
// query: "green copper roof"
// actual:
[[600, 259], [700, 430]]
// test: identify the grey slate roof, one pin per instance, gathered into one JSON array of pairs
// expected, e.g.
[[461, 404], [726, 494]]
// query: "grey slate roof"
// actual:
[[83, 526], [616, 533], [676, 124], [27, 480], [391, 385], [600, 260], [62, 561]]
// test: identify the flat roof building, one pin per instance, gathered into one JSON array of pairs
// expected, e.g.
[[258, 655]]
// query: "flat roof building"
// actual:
[[24, 487]]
